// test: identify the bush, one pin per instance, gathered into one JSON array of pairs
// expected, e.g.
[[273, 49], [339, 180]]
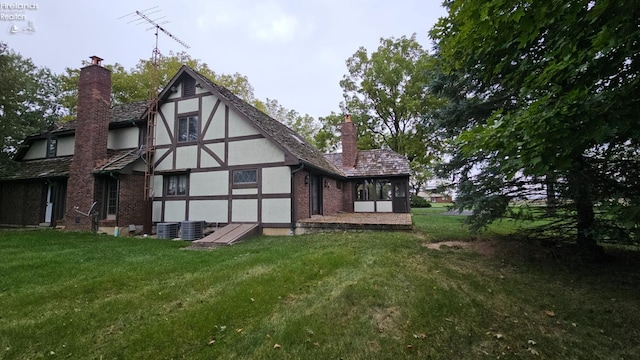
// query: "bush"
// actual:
[[419, 202]]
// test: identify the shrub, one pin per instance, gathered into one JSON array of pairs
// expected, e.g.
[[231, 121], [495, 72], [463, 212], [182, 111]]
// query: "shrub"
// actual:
[[419, 202]]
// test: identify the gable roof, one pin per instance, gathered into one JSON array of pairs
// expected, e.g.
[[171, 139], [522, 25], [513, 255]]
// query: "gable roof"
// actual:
[[374, 163], [288, 140]]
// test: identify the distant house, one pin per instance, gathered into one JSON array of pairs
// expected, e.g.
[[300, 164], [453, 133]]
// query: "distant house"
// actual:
[[216, 158]]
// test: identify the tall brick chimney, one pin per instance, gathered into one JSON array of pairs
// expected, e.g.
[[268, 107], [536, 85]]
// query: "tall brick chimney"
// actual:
[[349, 143], [92, 130]]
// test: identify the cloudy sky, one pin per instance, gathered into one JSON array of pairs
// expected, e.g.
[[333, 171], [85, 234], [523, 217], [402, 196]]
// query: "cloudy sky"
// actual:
[[293, 51]]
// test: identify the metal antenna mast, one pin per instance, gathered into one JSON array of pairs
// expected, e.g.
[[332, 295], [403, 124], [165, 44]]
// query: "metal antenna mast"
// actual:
[[142, 17]]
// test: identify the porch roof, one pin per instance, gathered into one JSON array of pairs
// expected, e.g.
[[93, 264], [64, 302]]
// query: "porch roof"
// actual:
[[120, 161], [374, 163], [36, 169]]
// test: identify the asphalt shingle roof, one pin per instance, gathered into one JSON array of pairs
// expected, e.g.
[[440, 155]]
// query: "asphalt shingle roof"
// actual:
[[36, 169], [118, 161]]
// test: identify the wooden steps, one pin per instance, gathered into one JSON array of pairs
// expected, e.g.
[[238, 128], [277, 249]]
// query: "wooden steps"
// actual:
[[227, 235]]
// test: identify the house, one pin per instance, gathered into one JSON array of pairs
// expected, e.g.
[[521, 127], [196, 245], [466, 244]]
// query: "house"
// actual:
[[215, 158]]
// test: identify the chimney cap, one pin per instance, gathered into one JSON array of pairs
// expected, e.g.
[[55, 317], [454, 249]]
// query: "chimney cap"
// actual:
[[96, 60], [347, 118]]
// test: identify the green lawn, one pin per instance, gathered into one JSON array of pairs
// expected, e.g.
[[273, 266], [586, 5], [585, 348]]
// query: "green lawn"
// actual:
[[360, 295]]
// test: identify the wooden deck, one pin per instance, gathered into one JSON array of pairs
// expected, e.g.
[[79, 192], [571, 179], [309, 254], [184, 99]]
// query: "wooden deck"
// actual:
[[355, 221]]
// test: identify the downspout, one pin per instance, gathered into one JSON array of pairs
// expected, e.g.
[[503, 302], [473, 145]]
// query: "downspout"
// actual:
[[293, 189], [117, 229]]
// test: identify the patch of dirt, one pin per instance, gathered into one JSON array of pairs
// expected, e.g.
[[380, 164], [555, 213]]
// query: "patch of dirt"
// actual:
[[486, 248], [387, 320]]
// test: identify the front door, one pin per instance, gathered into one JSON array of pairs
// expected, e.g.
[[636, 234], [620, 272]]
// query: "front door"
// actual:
[[400, 197], [48, 210], [316, 195]]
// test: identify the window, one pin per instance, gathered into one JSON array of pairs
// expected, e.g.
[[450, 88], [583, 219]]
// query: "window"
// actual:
[[383, 190], [188, 128], [175, 185], [111, 200], [52, 147], [242, 177], [365, 190]]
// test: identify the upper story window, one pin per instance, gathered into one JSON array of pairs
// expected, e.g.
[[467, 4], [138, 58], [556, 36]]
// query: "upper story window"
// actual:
[[52, 147], [188, 128], [245, 177], [189, 87]]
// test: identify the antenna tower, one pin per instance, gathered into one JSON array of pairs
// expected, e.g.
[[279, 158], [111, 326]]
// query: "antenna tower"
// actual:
[[144, 17]]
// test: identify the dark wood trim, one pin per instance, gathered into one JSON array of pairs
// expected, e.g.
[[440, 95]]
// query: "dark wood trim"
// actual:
[[213, 155], [276, 196], [209, 120], [164, 156], [209, 197], [246, 137], [199, 137], [226, 161], [259, 178], [166, 125], [244, 197]]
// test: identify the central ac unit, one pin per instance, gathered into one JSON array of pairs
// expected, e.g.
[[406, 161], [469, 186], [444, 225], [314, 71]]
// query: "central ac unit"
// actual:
[[191, 230], [167, 230]]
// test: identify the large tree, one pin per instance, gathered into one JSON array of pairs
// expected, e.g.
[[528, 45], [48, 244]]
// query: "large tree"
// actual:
[[136, 83], [387, 94], [543, 96], [27, 100]]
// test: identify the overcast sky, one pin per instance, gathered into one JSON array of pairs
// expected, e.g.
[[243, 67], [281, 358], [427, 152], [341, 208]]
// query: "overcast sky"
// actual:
[[291, 51]]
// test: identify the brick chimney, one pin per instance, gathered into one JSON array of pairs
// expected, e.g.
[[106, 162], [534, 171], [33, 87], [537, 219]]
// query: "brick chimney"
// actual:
[[92, 130], [349, 143]]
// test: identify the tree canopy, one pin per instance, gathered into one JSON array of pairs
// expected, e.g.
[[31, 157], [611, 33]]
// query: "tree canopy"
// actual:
[[387, 94], [28, 102], [543, 101]]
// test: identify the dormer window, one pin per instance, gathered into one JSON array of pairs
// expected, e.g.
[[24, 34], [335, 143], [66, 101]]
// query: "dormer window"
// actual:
[[189, 87], [52, 147]]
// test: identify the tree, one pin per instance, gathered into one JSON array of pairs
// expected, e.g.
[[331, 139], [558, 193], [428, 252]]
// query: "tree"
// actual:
[[135, 84], [545, 92], [27, 100], [305, 125], [387, 94]]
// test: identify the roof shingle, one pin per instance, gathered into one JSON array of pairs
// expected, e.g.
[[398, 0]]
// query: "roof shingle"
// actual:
[[374, 163]]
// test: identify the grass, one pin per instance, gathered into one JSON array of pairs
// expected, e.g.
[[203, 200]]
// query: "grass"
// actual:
[[368, 295]]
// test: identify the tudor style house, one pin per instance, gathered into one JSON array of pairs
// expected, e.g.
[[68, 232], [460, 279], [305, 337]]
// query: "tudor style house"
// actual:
[[215, 158]]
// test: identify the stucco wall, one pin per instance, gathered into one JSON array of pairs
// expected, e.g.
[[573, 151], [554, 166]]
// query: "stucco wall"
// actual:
[[125, 138]]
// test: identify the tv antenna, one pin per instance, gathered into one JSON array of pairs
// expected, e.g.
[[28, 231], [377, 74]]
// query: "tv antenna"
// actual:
[[150, 16]]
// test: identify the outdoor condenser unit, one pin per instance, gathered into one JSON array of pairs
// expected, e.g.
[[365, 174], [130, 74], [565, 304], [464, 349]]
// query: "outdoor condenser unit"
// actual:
[[191, 230], [167, 230]]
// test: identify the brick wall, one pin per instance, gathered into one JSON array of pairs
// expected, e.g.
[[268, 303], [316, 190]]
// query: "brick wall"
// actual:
[[22, 202], [301, 196], [332, 202], [131, 197], [92, 128], [348, 194]]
